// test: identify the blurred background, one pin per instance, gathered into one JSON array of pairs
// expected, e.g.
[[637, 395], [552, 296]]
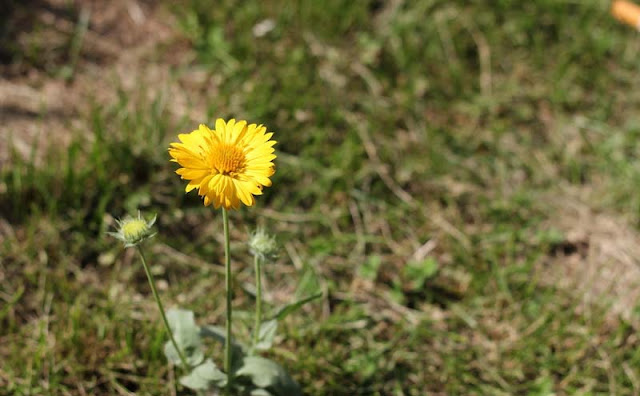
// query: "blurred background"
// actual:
[[460, 179]]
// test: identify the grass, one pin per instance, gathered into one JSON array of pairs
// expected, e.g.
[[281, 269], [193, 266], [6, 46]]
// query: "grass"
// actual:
[[399, 124]]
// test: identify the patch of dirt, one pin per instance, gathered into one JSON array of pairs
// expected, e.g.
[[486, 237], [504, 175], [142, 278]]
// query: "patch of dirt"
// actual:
[[599, 259], [128, 45]]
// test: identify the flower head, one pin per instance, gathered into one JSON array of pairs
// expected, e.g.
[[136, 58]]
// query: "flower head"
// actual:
[[132, 230], [229, 164], [263, 245]]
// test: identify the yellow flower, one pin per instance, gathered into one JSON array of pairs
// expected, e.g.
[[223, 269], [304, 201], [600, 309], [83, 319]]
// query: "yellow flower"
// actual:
[[229, 164]]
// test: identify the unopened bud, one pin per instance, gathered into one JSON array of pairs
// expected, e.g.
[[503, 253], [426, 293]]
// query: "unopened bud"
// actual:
[[132, 230], [263, 245]]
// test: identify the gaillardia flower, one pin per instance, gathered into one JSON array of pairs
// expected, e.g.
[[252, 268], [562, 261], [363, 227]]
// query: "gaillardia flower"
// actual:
[[229, 164]]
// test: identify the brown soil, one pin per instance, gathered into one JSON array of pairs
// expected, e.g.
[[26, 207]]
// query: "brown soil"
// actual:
[[129, 45], [599, 260]]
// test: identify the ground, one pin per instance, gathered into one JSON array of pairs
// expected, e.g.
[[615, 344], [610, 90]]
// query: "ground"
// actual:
[[458, 179]]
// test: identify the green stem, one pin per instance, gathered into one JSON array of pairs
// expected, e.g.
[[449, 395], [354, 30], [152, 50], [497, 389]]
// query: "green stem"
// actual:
[[227, 266], [152, 283], [256, 332]]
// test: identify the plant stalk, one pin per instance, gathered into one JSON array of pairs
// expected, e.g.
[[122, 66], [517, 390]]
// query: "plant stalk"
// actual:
[[256, 332], [227, 266], [152, 283]]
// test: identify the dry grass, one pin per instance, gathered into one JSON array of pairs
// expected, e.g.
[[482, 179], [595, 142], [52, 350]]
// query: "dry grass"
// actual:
[[599, 258], [117, 56]]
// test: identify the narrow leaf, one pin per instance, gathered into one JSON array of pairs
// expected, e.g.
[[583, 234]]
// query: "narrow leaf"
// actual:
[[285, 310]]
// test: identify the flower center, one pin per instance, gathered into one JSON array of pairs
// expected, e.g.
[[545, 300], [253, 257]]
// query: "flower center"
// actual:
[[133, 229], [227, 159]]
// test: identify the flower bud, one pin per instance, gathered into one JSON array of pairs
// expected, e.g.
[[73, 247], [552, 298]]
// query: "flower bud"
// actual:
[[132, 230], [263, 245]]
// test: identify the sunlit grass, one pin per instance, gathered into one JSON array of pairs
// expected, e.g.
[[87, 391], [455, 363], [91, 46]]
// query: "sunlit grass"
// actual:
[[411, 134]]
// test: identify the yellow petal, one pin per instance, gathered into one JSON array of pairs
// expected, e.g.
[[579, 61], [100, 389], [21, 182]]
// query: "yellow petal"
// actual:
[[192, 184], [228, 130], [244, 194], [220, 128], [192, 174], [238, 131], [204, 185]]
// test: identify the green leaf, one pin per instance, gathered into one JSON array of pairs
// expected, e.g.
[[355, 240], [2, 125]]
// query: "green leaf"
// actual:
[[369, 269], [238, 350], [420, 271], [541, 387], [260, 392], [285, 310], [308, 284], [266, 335], [269, 375], [204, 377], [187, 336]]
